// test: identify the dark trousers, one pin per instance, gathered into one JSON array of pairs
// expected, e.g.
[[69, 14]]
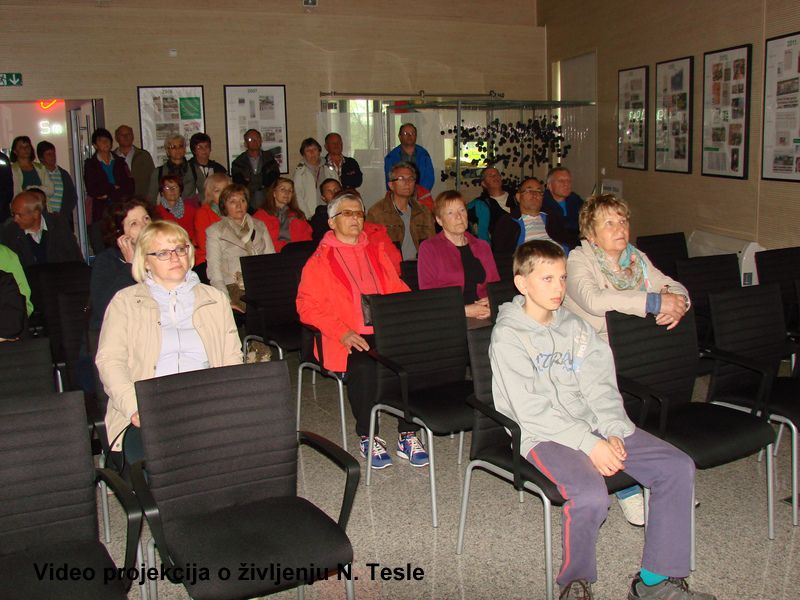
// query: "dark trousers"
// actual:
[[362, 387]]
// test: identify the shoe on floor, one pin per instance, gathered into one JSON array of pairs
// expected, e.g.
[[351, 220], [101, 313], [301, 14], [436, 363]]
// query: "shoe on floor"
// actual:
[[410, 448], [633, 509], [577, 590], [669, 589], [380, 456]]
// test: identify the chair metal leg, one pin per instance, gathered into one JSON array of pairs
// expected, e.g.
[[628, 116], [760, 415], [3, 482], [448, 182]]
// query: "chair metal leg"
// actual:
[[462, 518], [793, 429], [646, 492], [372, 416], [460, 446], [778, 439], [301, 592], [548, 548], [313, 378], [770, 492], [139, 562], [432, 468], [349, 589], [299, 393], [342, 412], [104, 504], [521, 496], [151, 563], [693, 541]]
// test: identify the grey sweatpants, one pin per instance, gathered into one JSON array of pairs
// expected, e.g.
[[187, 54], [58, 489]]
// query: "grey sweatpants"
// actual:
[[657, 465]]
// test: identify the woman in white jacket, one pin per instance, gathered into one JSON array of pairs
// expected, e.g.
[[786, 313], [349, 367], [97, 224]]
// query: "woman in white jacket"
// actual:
[[25, 171], [310, 174]]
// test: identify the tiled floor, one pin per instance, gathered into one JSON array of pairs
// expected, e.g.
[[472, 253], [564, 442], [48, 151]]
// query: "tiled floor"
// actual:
[[503, 556]]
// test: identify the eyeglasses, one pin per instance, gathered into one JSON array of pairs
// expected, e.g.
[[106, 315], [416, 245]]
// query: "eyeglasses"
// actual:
[[403, 178], [532, 191], [176, 146], [408, 133], [250, 139], [358, 214], [170, 188], [163, 255]]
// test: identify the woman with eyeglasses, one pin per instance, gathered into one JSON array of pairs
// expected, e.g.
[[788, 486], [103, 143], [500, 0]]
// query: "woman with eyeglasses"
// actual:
[[167, 323], [171, 206], [175, 164]]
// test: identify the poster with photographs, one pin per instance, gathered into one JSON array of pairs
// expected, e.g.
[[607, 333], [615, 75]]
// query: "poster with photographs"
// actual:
[[673, 109], [781, 144], [632, 118], [166, 111], [259, 107], [726, 111]]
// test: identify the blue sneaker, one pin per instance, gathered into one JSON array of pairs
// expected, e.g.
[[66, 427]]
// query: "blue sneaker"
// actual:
[[380, 456], [410, 448]]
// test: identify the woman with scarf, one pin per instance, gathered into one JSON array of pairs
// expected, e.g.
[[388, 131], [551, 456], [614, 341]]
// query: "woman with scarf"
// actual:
[[607, 273], [310, 174], [284, 220], [236, 235], [172, 207], [208, 214]]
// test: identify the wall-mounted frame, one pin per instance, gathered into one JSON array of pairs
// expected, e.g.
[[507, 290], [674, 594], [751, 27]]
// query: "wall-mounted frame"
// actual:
[[780, 157], [673, 111], [169, 110], [726, 111], [632, 95], [261, 107]]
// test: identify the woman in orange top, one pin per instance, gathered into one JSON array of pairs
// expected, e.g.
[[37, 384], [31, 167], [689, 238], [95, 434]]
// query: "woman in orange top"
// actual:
[[207, 215], [284, 220]]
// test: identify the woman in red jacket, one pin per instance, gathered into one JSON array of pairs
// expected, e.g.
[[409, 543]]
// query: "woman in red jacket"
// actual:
[[171, 206], [284, 220]]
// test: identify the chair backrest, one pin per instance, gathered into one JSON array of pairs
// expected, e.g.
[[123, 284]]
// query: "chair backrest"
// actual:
[[664, 360], [26, 368], [74, 318], [505, 266], [409, 275], [218, 437], [296, 254], [663, 250], [747, 321], [425, 332], [500, 292], [47, 489], [782, 266], [271, 281]]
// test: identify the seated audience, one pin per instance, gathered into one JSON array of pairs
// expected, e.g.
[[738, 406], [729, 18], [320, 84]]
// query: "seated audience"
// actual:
[[24, 171], [495, 201], [140, 163], [347, 168], [167, 323], [310, 174], [9, 263], [171, 205], [111, 270], [559, 195], [236, 235], [106, 176], [64, 197], [177, 165], [346, 267], [409, 152], [407, 222], [285, 221], [201, 165], [208, 214], [455, 257], [254, 168], [36, 236], [328, 190]]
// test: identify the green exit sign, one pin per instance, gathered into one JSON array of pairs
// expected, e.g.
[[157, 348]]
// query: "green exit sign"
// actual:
[[10, 79]]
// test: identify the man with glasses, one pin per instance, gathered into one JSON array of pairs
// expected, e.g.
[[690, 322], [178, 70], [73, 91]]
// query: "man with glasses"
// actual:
[[256, 169], [527, 222], [409, 152], [407, 222], [560, 197], [347, 266]]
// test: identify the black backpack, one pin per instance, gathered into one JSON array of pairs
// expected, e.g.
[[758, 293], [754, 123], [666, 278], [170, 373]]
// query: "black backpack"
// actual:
[[13, 308]]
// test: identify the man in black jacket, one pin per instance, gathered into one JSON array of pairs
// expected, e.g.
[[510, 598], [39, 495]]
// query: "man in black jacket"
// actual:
[[255, 168], [346, 167]]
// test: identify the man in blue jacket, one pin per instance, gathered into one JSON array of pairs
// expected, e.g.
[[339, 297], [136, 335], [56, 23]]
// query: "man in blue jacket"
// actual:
[[409, 151]]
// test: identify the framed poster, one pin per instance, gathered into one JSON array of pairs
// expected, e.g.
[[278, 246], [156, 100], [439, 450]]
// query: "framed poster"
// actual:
[[632, 118], [166, 111], [674, 93], [780, 157], [260, 107], [726, 111]]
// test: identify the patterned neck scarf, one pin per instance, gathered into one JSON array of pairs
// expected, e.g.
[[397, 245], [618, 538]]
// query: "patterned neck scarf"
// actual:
[[176, 210], [629, 274], [243, 231]]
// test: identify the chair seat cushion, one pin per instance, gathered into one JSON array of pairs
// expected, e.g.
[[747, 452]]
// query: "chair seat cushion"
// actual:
[[20, 580], [442, 408], [283, 532], [287, 336], [715, 435]]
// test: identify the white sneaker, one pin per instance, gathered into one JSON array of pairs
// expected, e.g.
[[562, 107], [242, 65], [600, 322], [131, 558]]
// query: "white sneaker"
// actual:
[[633, 509]]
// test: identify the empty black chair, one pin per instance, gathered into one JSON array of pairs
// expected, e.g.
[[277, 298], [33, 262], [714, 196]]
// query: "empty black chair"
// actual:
[[295, 254], [270, 283], [26, 368], [408, 273], [499, 293], [782, 266], [657, 367], [497, 452], [49, 514], [505, 266], [664, 250], [220, 454], [421, 343], [749, 322]]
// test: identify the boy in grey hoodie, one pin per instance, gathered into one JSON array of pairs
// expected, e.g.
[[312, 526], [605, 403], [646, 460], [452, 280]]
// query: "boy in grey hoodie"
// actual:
[[555, 377]]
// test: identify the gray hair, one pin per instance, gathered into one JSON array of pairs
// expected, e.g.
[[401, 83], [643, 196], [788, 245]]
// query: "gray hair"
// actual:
[[333, 206], [403, 164], [555, 171], [172, 138]]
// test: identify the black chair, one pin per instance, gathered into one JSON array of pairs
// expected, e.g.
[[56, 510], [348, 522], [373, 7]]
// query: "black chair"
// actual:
[[270, 283], [505, 266], [782, 266], [296, 254], [421, 343], [408, 273], [220, 490], [499, 293], [657, 368], [749, 322], [664, 250], [26, 368], [49, 514], [495, 451]]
